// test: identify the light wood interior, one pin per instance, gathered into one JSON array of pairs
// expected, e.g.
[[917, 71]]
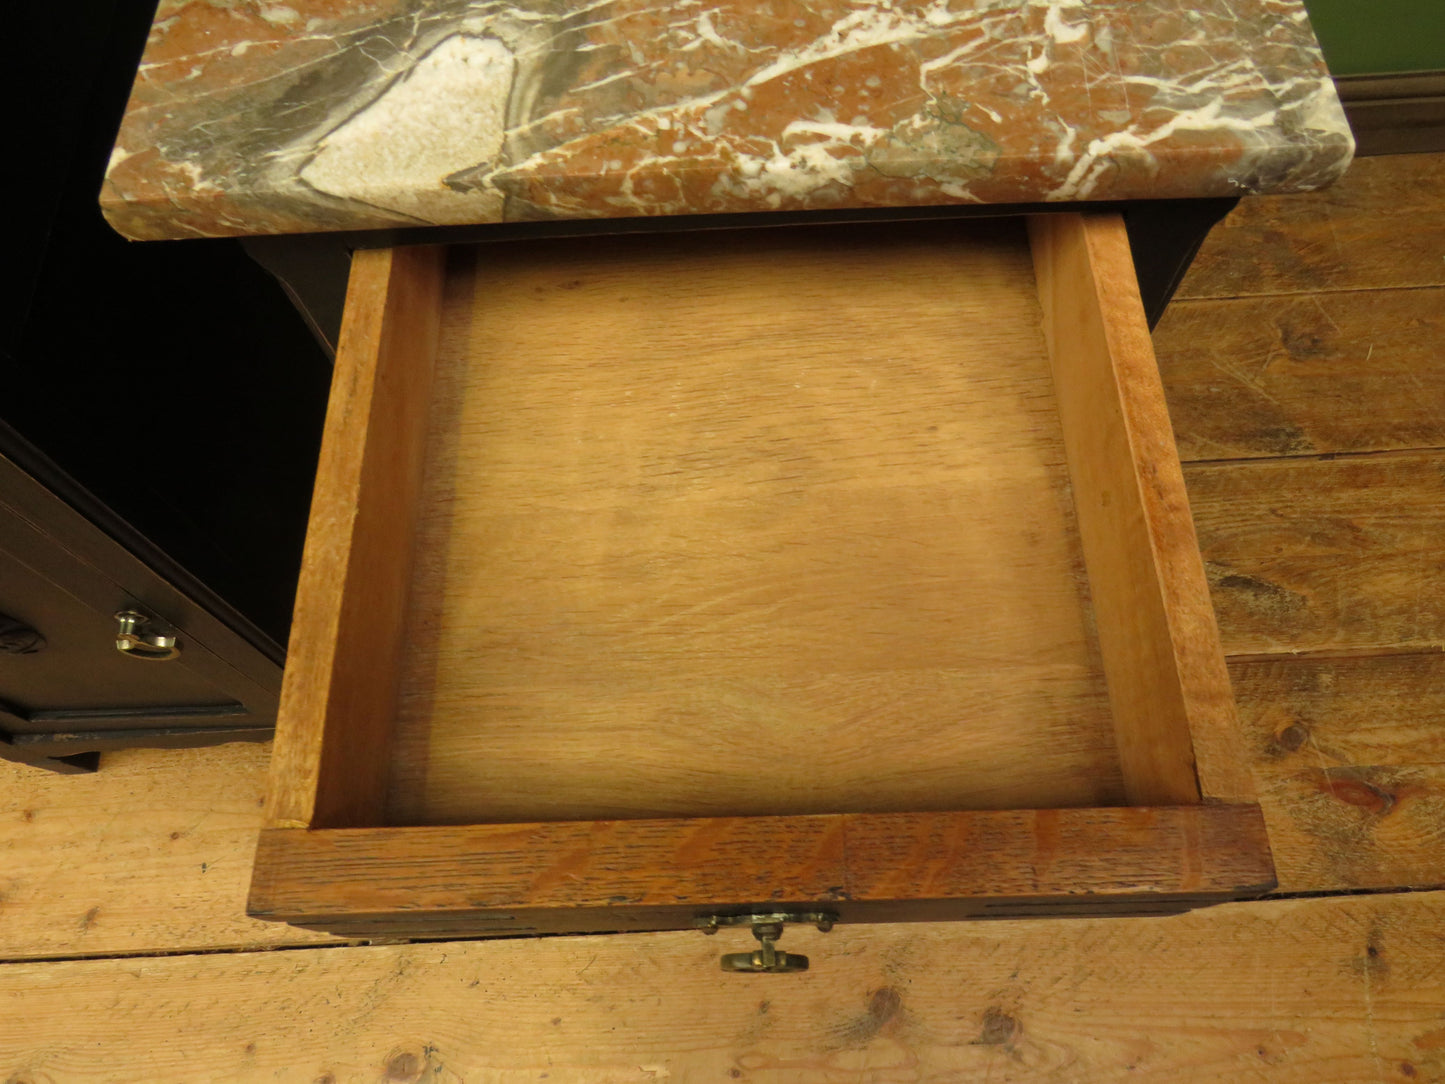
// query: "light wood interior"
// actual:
[[334, 728], [751, 523], [1173, 710]]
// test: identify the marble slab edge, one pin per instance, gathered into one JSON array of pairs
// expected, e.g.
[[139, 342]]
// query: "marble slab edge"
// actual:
[[253, 117]]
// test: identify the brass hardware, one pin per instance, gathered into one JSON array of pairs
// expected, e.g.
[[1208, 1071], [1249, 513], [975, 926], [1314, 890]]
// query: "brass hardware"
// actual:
[[767, 929], [142, 637]]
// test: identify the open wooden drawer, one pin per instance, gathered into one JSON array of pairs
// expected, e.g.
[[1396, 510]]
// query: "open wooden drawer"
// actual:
[[833, 569]]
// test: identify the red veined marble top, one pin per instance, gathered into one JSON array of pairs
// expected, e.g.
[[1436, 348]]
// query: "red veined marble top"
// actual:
[[251, 117]]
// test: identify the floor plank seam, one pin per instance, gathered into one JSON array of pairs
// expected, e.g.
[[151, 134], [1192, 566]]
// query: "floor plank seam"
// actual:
[[1180, 299], [1326, 893], [1207, 298], [1323, 457], [1323, 654], [162, 954]]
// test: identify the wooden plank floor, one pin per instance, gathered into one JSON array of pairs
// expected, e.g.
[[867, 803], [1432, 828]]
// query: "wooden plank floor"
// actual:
[[1304, 364], [1301, 990]]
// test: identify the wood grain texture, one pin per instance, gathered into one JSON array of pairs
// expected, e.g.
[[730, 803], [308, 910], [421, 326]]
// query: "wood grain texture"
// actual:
[[333, 733], [150, 854], [1302, 991], [102, 848], [1350, 758], [750, 523], [1172, 708], [620, 875], [1333, 556], [1381, 226], [1317, 373]]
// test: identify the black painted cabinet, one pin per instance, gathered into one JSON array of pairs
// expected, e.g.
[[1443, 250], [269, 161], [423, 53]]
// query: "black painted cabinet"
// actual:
[[67, 689], [160, 414]]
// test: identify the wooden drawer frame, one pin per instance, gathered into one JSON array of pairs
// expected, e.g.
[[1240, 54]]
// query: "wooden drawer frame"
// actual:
[[1191, 835]]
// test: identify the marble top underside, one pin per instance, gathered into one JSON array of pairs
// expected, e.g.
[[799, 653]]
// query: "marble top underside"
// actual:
[[250, 117]]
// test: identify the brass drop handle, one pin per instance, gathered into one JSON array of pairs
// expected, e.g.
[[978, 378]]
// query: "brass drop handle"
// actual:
[[141, 637], [767, 929]]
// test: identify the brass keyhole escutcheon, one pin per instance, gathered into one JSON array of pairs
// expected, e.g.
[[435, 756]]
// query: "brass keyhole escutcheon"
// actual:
[[767, 958]]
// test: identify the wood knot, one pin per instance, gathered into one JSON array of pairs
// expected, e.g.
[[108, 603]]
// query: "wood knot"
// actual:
[[1352, 790], [405, 1066], [884, 1004], [1290, 740], [998, 1029]]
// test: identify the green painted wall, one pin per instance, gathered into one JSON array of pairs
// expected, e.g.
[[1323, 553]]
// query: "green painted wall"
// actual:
[[1366, 37]]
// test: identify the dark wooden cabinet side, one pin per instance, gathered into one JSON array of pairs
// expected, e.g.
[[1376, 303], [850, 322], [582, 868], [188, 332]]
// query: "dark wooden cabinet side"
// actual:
[[66, 692]]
